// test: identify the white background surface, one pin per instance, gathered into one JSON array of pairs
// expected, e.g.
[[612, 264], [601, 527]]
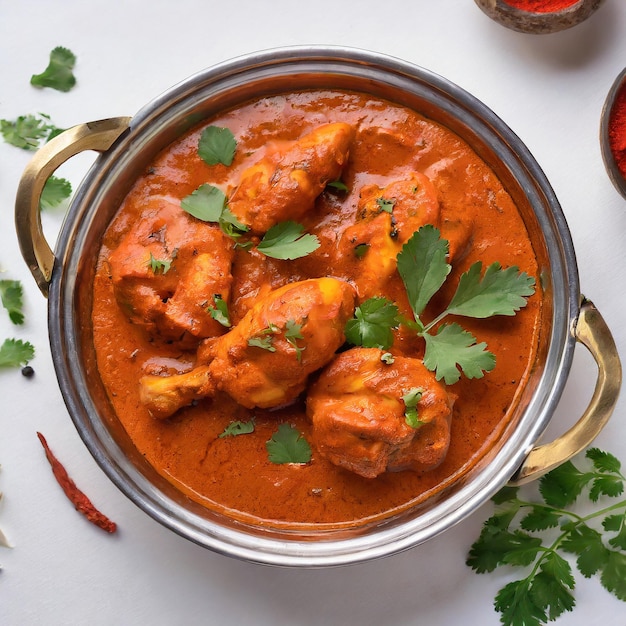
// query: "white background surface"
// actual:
[[549, 89]]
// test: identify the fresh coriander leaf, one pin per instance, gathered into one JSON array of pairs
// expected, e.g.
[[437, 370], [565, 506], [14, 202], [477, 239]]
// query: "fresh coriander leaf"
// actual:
[[26, 131], [611, 486], [58, 75], [219, 311], [422, 266], [287, 445], [217, 145], [603, 461], [361, 249], [517, 605], [54, 192], [238, 428], [11, 294], [453, 347], [551, 586], [499, 292], [373, 323], [563, 485], [230, 225], [15, 352], [387, 358], [158, 266], [506, 494], [339, 185], [206, 203], [587, 544], [616, 523], [386, 205], [265, 339], [287, 241], [497, 545], [540, 518], [411, 399], [613, 577], [292, 334]]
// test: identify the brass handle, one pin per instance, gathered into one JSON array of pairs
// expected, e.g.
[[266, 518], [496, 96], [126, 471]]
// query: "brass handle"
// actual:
[[99, 136], [591, 330]]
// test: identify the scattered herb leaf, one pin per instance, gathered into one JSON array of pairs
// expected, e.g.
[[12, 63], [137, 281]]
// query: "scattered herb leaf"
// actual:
[[219, 311], [547, 591], [411, 399], [15, 353], [265, 339], [385, 204], [372, 324], [217, 145], [27, 131], [159, 266], [54, 192], [339, 185], [361, 249], [287, 445], [238, 428], [206, 203], [287, 240], [11, 294], [58, 75], [292, 334], [387, 358]]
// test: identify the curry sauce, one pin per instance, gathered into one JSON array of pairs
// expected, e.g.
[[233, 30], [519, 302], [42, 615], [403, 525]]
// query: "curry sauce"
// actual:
[[388, 143]]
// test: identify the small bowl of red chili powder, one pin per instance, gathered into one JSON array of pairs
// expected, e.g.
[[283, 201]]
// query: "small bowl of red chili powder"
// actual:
[[539, 16], [613, 133]]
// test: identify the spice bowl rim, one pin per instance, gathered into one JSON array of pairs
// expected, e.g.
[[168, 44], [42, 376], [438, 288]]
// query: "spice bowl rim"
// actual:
[[610, 163]]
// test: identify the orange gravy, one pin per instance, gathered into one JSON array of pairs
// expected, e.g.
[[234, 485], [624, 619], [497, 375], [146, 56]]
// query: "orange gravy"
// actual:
[[233, 474]]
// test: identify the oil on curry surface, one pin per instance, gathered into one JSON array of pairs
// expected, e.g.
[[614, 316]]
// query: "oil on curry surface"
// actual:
[[362, 175]]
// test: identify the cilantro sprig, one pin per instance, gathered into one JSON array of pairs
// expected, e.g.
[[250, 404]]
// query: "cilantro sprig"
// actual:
[[58, 74], [15, 352], [11, 294], [54, 192], [27, 131], [450, 350], [287, 445], [533, 535], [217, 145], [236, 428]]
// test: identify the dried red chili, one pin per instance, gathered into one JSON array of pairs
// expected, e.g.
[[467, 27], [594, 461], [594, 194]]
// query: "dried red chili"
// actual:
[[617, 129], [541, 6], [76, 496]]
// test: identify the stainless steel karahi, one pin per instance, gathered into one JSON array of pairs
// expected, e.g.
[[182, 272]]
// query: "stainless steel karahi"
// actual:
[[127, 145]]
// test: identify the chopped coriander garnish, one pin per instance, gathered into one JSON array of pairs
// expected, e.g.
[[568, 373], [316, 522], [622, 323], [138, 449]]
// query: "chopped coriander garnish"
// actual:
[[287, 241], [27, 131], [238, 428], [292, 334], [287, 445], [339, 185], [11, 294], [54, 192], [58, 75], [360, 250], [15, 353], [385, 204], [265, 338], [159, 266], [597, 540], [206, 203], [387, 358], [219, 311], [373, 323], [411, 399], [217, 145]]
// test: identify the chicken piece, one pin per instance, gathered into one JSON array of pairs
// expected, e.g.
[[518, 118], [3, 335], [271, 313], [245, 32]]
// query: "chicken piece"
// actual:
[[359, 414], [265, 360], [386, 219], [284, 184], [169, 269]]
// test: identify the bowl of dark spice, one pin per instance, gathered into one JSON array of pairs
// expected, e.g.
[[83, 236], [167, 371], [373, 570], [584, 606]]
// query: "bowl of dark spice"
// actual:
[[613, 133], [539, 16]]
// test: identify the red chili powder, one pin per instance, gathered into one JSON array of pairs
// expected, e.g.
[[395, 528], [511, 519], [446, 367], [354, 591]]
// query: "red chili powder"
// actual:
[[617, 129], [541, 6]]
